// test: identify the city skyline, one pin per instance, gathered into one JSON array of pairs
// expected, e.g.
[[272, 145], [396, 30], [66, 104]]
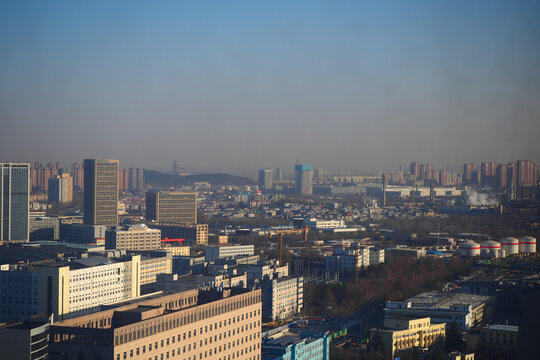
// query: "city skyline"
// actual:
[[360, 87]]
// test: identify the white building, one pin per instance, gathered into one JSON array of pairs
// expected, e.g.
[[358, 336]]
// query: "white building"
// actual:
[[349, 259], [282, 297], [61, 288], [213, 253], [315, 224]]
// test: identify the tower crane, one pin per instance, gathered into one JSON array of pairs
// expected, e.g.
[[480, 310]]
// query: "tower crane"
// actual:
[[280, 234]]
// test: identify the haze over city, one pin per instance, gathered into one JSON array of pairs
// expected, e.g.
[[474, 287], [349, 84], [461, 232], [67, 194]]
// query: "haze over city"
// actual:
[[353, 86]]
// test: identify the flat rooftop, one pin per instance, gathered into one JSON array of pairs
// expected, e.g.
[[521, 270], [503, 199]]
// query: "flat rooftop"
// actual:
[[504, 328], [444, 300]]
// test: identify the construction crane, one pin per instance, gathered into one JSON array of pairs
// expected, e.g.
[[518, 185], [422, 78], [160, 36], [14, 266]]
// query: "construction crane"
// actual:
[[280, 234]]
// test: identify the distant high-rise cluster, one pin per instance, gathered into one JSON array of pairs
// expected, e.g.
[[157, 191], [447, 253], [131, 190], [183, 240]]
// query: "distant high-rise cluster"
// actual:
[[40, 175], [131, 180]]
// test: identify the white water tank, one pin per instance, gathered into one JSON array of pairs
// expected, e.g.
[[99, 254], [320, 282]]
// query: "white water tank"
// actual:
[[469, 248], [510, 245], [490, 248], [527, 244]]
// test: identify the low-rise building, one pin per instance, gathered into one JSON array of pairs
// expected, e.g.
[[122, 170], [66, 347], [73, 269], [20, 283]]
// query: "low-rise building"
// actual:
[[174, 283], [402, 333], [188, 325], [25, 340], [191, 233], [133, 237], [442, 307], [499, 341], [81, 233], [286, 345], [228, 251]]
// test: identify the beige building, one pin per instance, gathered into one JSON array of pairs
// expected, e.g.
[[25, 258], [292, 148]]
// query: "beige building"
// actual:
[[100, 192], [84, 284], [171, 207], [190, 325], [152, 266], [498, 341], [61, 189], [135, 237], [401, 333], [177, 250], [192, 233]]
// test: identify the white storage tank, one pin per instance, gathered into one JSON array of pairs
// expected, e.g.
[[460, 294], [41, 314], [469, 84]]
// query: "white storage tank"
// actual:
[[490, 248], [469, 248], [527, 244], [510, 245]]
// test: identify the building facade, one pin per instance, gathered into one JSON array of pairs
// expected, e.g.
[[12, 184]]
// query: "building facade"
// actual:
[[135, 237], [402, 333], [287, 346], [304, 180], [14, 198], [191, 233], [266, 179], [169, 207], [282, 297], [189, 325], [213, 253], [61, 189], [101, 192], [25, 340]]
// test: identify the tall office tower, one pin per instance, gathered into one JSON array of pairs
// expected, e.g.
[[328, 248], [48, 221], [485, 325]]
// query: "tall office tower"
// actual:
[[61, 189], [470, 174], [77, 171], [279, 174], [414, 170], [424, 169], [304, 179], [14, 197], [170, 207], [100, 192], [266, 179]]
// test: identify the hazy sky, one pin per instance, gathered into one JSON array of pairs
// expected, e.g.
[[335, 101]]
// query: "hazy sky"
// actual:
[[222, 85]]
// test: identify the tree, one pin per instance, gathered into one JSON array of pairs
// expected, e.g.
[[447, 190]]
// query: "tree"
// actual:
[[454, 340]]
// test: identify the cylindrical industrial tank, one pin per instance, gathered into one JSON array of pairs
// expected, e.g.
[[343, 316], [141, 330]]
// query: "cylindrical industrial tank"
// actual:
[[469, 248], [510, 245], [527, 244], [490, 248]]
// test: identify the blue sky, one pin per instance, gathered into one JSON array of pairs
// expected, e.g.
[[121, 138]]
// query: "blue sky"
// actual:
[[358, 86]]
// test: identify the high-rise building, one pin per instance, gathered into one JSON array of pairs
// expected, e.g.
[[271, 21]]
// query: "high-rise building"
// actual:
[[318, 174], [14, 197], [414, 169], [488, 173], [265, 179], [304, 180], [77, 171], [279, 174], [425, 171], [61, 189], [100, 192], [527, 172], [170, 207], [501, 175], [470, 174]]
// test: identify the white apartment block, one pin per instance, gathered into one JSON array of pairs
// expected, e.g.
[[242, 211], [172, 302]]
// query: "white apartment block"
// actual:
[[213, 253], [349, 259], [261, 272], [282, 297]]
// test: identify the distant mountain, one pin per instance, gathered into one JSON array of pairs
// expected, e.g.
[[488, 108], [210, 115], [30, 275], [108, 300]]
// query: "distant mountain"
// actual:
[[159, 179]]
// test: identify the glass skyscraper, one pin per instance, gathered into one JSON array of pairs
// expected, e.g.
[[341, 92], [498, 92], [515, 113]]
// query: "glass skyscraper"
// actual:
[[14, 198]]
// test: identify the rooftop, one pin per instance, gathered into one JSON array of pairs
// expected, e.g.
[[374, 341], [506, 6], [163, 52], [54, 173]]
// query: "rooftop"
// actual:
[[503, 328], [444, 300]]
